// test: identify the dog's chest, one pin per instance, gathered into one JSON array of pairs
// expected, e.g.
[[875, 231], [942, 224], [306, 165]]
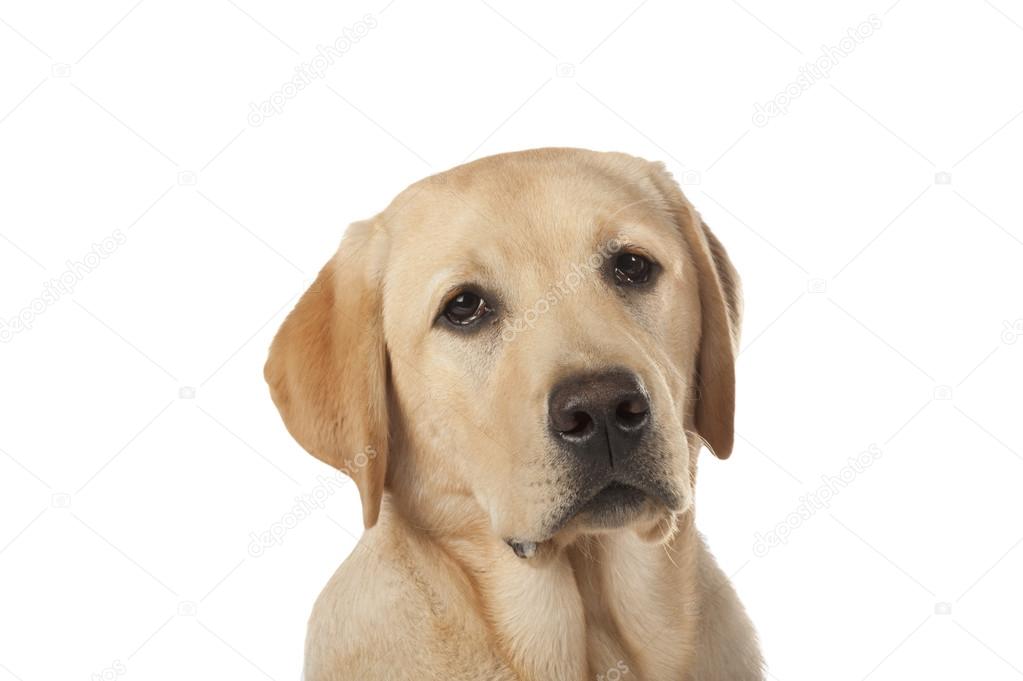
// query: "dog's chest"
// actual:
[[620, 649], [637, 626]]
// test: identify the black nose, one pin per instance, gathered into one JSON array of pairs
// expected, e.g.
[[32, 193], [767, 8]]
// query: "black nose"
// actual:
[[600, 416]]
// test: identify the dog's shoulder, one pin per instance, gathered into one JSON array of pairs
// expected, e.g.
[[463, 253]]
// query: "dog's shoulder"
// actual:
[[394, 606]]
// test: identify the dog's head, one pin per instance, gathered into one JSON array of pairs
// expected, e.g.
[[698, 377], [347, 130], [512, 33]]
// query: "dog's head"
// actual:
[[538, 339]]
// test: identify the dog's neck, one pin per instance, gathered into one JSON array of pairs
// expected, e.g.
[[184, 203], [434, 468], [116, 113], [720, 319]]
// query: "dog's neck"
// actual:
[[601, 607]]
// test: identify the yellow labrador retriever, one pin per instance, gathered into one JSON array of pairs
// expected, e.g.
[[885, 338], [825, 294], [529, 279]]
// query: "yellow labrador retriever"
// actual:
[[517, 362]]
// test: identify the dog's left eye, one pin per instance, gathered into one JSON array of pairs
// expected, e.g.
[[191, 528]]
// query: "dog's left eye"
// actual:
[[466, 308], [632, 269]]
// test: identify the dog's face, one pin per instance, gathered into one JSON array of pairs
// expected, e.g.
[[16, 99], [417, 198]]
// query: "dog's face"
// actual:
[[542, 332]]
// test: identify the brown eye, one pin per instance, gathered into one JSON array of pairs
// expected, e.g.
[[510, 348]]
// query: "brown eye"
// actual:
[[466, 308], [632, 269]]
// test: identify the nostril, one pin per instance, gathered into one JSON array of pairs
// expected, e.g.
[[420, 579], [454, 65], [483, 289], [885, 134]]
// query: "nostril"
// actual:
[[577, 424], [632, 414]]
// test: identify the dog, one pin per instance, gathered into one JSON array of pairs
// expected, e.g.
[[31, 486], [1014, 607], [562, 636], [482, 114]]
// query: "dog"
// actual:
[[517, 362]]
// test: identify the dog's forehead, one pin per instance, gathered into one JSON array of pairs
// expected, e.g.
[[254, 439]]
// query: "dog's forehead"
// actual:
[[536, 209]]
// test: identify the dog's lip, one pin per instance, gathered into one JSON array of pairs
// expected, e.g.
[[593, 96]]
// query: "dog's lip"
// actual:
[[524, 548], [624, 492], [614, 490], [615, 493]]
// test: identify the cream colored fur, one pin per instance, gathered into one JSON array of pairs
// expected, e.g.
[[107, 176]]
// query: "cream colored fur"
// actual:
[[444, 432]]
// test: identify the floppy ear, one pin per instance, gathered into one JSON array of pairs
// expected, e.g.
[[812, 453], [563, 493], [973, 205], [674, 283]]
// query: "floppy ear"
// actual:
[[327, 369], [720, 311]]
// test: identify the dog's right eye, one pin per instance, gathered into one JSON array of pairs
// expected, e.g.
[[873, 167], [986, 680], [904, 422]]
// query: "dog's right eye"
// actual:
[[466, 308], [632, 269]]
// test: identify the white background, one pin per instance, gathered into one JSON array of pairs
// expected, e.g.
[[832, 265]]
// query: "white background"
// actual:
[[876, 223]]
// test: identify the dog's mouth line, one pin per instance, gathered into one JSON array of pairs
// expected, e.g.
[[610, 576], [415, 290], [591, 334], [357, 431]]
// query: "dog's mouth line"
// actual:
[[607, 492], [616, 486], [615, 494]]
